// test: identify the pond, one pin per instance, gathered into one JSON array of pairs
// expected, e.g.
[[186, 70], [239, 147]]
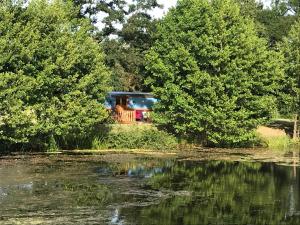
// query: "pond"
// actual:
[[146, 190]]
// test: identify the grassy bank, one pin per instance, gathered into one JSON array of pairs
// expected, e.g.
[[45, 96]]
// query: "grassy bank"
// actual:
[[119, 136], [146, 137], [276, 138]]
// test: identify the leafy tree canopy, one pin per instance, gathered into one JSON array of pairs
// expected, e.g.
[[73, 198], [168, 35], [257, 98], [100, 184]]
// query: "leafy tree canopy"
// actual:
[[277, 20], [286, 6], [215, 78], [291, 50], [113, 12], [126, 35], [272, 23], [126, 54], [52, 73]]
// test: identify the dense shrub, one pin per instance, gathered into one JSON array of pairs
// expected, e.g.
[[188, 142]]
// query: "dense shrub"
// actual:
[[134, 137]]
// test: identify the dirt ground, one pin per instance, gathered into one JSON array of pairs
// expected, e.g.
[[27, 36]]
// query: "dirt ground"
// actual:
[[270, 132]]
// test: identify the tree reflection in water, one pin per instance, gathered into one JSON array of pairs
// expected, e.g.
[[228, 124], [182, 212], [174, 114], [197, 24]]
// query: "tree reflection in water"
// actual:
[[223, 193], [150, 191]]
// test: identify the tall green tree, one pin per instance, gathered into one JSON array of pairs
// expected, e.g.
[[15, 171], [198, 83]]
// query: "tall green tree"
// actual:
[[126, 34], [286, 6], [256, 11], [215, 78], [125, 55], [111, 13], [250, 8], [52, 74], [272, 23], [295, 6], [291, 50], [276, 21]]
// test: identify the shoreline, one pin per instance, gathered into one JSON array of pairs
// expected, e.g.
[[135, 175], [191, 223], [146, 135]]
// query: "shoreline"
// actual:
[[286, 157]]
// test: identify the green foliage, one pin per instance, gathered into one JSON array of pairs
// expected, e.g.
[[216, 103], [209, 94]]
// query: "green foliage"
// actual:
[[135, 137], [286, 6], [132, 37], [291, 50], [215, 78], [131, 26], [272, 23], [52, 74], [277, 143], [113, 12], [126, 35], [125, 55], [250, 8], [275, 26]]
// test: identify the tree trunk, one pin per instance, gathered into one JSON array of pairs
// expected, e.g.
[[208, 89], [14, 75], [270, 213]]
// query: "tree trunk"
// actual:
[[296, 133]]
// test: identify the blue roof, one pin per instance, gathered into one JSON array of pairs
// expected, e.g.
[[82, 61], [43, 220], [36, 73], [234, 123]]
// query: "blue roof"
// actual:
[[124, 93]]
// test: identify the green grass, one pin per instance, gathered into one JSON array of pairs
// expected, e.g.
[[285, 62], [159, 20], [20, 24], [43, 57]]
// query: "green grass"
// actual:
[[134, 137], [278, 143]]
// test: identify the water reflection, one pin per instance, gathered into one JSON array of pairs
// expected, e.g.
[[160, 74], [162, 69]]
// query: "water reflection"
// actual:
[[150, 191], [294, 189], [116, 218], [227, 193]]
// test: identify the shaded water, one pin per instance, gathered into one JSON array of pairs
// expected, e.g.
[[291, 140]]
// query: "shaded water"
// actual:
[[148, 191]]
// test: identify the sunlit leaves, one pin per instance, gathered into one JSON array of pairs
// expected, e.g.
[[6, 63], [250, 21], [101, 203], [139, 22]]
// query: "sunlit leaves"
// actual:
[[52, 71], [291, 49], [216, 79]]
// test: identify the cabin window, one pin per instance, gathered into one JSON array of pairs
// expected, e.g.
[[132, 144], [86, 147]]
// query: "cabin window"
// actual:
[[121, 100]]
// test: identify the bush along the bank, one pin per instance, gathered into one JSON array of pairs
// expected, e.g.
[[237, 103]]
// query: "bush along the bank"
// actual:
[[215, 78], [52, 75], [135, 137]]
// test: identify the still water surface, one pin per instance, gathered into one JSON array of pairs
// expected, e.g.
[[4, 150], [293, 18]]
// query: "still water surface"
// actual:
[[148, 191]]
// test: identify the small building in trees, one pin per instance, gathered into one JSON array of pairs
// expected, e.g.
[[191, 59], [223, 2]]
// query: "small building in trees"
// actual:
[[130, 107]]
